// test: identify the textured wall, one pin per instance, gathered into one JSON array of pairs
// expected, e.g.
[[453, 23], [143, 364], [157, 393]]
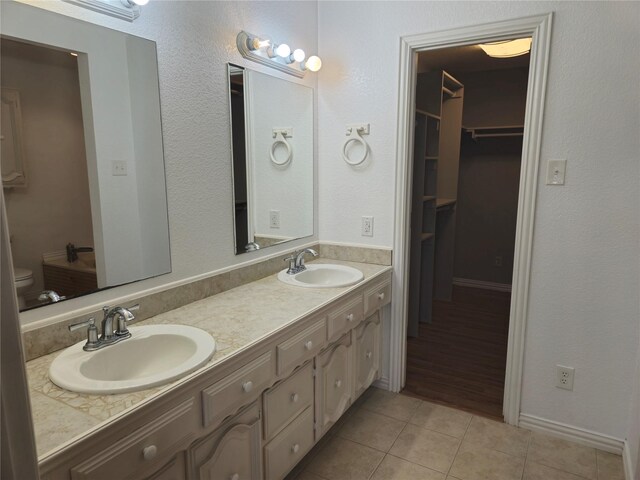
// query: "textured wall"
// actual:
[[195, 40], [584, 283]]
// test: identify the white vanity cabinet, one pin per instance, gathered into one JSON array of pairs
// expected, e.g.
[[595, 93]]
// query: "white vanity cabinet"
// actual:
[[367, 353]]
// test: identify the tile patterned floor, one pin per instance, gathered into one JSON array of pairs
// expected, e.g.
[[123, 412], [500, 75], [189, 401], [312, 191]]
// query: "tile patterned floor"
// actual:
[[387, 436]]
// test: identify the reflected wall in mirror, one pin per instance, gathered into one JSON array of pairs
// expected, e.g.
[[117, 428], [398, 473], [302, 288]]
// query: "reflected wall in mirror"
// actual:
[[272, 141], [91, 212]]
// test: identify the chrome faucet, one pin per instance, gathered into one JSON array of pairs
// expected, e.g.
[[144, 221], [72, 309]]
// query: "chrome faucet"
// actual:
[[296, 261], [110, 335], [51, 296]]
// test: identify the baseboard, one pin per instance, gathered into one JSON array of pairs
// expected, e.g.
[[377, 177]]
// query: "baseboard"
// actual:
[[382, 383], [574, 434], [629, 473], [468, 282]]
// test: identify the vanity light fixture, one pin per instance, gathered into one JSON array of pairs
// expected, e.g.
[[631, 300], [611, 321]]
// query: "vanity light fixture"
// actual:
[[507, 48], [134, 3], [275, 55]]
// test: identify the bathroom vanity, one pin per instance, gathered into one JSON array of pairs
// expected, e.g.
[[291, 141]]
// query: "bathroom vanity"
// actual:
[[290, 361]]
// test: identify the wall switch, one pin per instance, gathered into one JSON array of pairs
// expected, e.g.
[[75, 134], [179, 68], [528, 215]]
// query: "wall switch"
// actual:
[[564, 377], [367, 226], [274, 218], [555, 172], [119, 168]]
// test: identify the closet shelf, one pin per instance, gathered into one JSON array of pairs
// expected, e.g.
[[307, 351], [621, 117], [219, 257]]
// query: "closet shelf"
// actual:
[[445, 202], [423, 112], [428, 198], [426, 236], [431, 157], [501, 131]]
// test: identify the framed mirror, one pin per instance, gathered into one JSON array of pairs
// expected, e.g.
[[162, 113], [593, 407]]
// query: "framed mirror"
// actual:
[[272, 155], [92, 211]]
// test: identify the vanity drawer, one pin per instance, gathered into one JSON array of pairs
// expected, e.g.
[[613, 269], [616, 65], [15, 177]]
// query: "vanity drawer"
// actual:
[[377, 296], [302, 346], [286, 400], [345, 316], [145, 450], [240, 388], [283, 452]]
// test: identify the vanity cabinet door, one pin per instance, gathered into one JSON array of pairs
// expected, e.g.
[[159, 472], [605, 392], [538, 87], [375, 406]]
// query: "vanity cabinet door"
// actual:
[[334, 384], [173, 470], [367, 353], [232, 452]]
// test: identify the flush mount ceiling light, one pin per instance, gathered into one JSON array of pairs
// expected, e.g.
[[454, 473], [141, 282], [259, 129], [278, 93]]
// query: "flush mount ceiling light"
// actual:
[[507, 48], [134, 3], [275, 55]]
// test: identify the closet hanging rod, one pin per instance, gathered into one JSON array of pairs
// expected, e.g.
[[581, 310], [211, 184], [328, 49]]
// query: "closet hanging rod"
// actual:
[[451, 93], [448, 77], [497, 131]]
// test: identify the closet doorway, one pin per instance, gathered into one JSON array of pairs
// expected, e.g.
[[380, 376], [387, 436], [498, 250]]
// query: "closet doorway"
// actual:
[[469, 124], [538, 28]]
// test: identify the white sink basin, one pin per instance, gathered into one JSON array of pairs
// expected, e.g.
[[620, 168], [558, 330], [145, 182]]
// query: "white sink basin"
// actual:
[[323, 275], [154, 355]]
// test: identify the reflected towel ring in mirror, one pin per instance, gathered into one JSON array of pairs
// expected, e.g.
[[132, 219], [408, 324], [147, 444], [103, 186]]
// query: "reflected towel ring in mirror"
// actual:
[[280, 136], [354, 133]]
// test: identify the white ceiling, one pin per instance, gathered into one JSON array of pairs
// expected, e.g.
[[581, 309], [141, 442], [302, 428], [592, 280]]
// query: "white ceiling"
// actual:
[[470, 58]]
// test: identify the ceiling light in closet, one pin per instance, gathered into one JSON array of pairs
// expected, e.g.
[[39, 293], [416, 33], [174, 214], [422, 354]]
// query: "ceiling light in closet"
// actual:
[[507, 48], [134, 3]]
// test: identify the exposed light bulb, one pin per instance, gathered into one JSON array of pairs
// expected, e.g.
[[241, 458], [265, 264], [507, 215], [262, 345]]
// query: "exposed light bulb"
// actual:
[[283, 50], [313, 64], [507, 48], [134, 3], [298, 55], [256, 43]]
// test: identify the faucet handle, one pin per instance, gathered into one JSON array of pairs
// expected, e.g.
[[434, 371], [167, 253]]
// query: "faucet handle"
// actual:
[[292, 263], [92, 332], [124, 317]]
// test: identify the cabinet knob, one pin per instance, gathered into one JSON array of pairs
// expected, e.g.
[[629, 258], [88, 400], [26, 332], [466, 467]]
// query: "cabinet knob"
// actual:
[[247, 386], [368, 354], [150, 452], [350, 317], [381, 296], [295, 448], [338, 383], [308, 345], [235, 476], [295, 397]]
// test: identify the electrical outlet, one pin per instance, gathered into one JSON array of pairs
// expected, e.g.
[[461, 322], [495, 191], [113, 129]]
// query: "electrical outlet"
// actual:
[[274, 218], [119, 168], [555, 172], [367, 226], [498, 261], [564, 377]]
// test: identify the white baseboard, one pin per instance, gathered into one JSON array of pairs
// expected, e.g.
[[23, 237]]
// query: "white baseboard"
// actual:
[[382, 383], [629, 473], [573, 434], [468, 282]]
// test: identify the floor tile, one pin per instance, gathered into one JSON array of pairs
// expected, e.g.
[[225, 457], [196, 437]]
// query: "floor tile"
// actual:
[[394, 468], [425, 447], [372, 429], [478, 463], [610, 466], [441, 419], [535, 471], [498, 436], [306, 475], [343, 459], [563, 455], [391, 404]]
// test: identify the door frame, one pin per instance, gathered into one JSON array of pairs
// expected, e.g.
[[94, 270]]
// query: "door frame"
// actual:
[[539, 28]]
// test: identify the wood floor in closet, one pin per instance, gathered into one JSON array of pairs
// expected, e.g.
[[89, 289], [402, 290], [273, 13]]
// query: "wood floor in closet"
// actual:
[[459, 359]]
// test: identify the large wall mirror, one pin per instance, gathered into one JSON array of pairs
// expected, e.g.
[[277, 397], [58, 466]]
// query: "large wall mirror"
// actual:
[[272, 139], [82, 156]]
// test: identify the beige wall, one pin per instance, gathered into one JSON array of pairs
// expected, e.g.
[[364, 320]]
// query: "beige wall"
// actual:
[[489, 176], [54, 209]]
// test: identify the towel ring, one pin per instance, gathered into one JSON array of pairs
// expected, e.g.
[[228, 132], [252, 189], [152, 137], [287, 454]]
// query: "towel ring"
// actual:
[[280, 139], [354, 136]]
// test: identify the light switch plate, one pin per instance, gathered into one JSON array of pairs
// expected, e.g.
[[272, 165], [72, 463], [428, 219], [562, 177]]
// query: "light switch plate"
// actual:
[[556, 170]]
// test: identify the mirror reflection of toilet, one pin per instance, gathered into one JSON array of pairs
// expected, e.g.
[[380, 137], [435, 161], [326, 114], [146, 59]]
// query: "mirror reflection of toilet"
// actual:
[[23, 280]]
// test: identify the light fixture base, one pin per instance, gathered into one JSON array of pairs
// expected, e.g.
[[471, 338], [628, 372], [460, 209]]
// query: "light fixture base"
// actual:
[[108, 8], [241, 43]]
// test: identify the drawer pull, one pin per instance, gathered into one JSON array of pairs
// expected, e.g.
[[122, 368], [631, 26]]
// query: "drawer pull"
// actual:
[[338, 383], [381, 296], [350, 317], [295, 448], [235, 476], [150, 452], [308, 345], [247, 386], [295, 397], [368, 354]]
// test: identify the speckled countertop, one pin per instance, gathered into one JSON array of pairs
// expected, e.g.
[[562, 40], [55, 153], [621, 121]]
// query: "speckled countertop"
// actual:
[[236, 319]]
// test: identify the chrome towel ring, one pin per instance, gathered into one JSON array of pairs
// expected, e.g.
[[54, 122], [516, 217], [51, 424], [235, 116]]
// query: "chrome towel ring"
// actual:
[[354, 134], [280, 136]]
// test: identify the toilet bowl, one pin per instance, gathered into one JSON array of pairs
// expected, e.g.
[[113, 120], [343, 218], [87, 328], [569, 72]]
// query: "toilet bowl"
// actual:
[[23, 280]]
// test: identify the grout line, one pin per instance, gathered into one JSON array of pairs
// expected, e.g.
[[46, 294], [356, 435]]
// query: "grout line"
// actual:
[[377, 467], [458, 449], [526, 453], [597, 469]]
